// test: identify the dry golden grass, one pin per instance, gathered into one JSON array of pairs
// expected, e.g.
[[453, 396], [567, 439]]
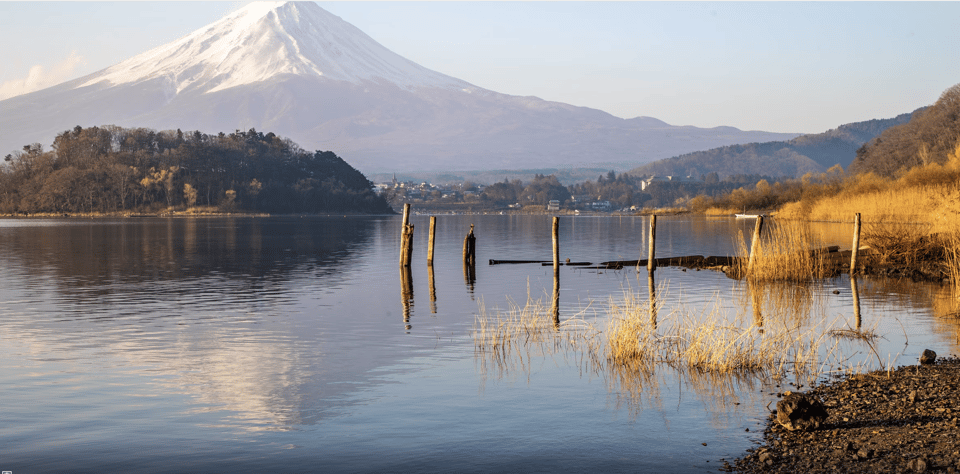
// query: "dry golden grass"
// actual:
[[710, 341], [902, 244], [786, 253], [506, 342], [719, 352], [721, 211]]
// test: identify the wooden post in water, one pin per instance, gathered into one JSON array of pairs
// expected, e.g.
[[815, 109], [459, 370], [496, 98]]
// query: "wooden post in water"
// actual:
[[556, 243], [403, 235], [433, 233], [406, 253], [755, 243], [470, 248], [856, 244], [652, 251]]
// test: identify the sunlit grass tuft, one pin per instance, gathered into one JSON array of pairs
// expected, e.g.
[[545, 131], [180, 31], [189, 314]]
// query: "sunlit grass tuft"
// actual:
[[788, 251]]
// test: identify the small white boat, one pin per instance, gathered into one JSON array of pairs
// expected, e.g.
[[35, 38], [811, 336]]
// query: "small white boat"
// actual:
[[748, 216]]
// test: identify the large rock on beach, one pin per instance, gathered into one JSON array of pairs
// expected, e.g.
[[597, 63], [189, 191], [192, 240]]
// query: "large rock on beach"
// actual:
[[800, 412], [928, 357]]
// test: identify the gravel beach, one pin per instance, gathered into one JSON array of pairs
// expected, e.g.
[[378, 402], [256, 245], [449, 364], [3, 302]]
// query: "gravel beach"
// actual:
[[904, 420]]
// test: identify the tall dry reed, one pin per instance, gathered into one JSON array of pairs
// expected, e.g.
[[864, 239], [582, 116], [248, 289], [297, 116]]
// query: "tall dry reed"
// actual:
[[710, 340], [788, 251]]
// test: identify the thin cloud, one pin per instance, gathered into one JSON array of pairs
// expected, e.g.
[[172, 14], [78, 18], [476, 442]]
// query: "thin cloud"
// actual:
[[38, 78]]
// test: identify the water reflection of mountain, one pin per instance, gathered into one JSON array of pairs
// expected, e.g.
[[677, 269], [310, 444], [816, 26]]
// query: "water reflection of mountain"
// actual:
[[225, 310]]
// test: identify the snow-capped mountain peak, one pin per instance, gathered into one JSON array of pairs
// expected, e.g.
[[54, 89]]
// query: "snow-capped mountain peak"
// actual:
[[266, 39]]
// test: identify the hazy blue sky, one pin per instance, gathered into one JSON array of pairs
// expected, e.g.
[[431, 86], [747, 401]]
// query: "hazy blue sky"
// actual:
[[784, 67]]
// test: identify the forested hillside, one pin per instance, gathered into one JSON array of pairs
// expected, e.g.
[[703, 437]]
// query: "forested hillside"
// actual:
[[797, 157], [112, 169], [930, 137]]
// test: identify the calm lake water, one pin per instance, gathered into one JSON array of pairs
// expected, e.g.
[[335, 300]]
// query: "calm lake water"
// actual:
[[292, 345]]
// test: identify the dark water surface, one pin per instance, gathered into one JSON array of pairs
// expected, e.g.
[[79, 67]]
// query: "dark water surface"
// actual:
[[292, 345]]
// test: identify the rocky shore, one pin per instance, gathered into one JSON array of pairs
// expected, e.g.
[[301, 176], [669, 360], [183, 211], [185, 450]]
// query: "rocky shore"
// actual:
[[904, 420]]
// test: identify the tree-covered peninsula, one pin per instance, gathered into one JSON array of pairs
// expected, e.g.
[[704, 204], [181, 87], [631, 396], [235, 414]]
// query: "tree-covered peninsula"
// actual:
[[112, 169]]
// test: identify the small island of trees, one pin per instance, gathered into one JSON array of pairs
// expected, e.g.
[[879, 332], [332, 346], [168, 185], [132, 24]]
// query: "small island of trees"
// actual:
[[114, 170]]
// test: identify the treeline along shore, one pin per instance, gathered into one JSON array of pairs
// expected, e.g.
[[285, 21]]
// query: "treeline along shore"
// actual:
[[115, 170]]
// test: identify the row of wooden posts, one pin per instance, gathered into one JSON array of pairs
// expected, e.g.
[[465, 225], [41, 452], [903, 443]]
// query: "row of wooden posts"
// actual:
[[406, 241], [469, 260], [470, 242]]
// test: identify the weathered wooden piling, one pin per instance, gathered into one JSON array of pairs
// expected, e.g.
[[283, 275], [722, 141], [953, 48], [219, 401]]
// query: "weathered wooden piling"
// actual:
[[406, 250], [755, 244], [470, 248], [430, 240], [652, 249], [405, 232], [855, 250], [556, 243]]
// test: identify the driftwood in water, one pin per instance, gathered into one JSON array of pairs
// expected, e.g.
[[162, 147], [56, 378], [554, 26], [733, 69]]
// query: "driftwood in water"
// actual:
[[688, 261], [506, 262], [569, 264]]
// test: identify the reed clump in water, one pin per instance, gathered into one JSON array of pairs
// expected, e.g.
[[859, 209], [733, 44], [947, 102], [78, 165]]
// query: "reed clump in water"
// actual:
[[505, 341], [788, 251], [710, 341]]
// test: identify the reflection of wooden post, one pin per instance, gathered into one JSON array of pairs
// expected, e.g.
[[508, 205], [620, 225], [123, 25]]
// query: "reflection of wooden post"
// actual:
[[756, 295], [433, 233], [469, 275], [406, 294], [856, 298], [556, 297], [470, 248], [556, 243], [433, 290], [652, 287], [755, 244], [652, 251], [856, 245]]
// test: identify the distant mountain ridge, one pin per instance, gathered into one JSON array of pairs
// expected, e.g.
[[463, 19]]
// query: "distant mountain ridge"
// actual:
[[814, 153], [297, 70]]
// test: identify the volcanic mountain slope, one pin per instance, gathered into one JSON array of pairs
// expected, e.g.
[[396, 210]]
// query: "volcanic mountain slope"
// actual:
[[296, 70]]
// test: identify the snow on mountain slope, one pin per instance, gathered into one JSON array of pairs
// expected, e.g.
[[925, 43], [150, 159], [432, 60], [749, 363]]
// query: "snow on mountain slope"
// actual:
[[296, 70], [266, 39]]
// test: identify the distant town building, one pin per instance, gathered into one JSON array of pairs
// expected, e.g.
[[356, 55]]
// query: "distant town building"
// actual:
[[664, 179], [553, 205]]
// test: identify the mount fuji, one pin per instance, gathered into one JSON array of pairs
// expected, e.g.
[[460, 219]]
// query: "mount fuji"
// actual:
[[296, 70]]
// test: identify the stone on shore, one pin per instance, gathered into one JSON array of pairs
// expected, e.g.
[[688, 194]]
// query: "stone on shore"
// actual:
[[800, 412], [928, 357]]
